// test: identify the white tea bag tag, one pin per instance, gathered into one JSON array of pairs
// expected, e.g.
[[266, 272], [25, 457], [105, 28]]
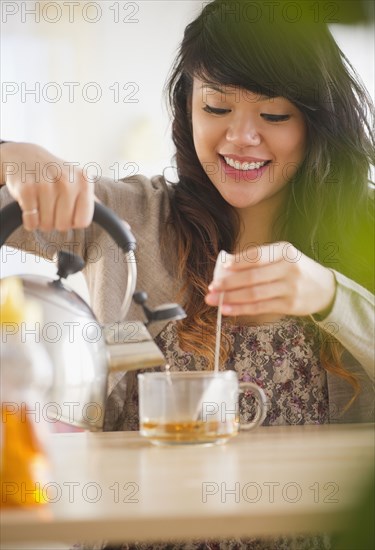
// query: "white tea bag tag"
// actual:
[[224, 258]]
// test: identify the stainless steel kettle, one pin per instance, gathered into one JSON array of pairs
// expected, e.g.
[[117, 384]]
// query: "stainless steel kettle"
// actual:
[[83, 352]]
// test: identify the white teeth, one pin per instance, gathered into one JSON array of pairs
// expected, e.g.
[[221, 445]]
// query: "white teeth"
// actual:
[[244, 165]]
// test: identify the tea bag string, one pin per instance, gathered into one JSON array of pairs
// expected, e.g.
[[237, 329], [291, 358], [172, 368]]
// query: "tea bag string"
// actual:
[[218, 333], [221, 260]]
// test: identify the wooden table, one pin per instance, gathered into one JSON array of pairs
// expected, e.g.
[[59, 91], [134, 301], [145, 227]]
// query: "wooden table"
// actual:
[[276, 480]]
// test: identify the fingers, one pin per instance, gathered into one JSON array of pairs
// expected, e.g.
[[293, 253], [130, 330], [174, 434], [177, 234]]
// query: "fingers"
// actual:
[[30, 218], [51, 195], [61, 207], [47, 203], [284, 286], [258, 256], [29, 204], [275, 306], [240, 278], [275, 298], [269, 283], [84, 206], [250, 294]]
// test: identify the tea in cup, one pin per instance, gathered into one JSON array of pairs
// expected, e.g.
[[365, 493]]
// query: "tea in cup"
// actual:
[[194, 407]]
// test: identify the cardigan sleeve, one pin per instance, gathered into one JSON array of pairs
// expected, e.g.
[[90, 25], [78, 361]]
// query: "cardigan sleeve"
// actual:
[[351, 321]]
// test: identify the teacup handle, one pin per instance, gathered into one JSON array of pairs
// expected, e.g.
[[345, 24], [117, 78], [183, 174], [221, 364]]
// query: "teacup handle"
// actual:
[[261, 402]]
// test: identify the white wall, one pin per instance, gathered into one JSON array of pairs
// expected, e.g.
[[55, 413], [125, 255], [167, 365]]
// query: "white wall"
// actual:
[[133, 54], [131, 44]]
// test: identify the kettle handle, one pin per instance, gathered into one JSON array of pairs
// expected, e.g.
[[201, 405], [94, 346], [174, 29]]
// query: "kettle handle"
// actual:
[[11, 219]]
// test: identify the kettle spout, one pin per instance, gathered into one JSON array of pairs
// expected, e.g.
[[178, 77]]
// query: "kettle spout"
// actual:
[[130, 347], [164, 312]]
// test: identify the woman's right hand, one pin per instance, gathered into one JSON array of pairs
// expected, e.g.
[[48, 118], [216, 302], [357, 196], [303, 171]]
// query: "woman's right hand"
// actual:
[[52, 193]]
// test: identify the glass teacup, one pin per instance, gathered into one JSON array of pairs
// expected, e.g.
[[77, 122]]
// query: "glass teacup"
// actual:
[[194, 407]]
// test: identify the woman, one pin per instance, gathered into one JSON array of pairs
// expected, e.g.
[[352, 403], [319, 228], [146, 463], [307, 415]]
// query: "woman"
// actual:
[[273, 150]]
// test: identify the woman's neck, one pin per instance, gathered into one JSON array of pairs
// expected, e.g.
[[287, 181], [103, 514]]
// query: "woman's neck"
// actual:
[[257, 223]]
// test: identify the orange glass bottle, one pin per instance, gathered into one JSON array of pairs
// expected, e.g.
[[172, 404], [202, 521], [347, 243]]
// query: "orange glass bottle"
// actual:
[[25, 372]]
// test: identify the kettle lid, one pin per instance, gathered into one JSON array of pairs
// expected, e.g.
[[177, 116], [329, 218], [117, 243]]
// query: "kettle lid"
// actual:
[[56, 293]]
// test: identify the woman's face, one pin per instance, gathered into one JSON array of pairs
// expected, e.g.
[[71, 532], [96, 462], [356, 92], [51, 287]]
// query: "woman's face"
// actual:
[[248, 145]]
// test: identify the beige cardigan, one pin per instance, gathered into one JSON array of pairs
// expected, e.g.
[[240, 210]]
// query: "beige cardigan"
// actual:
[[144, 204]]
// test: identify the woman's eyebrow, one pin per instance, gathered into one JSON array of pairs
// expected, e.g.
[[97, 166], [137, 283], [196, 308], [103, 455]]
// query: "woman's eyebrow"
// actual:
[[224, 90], [213, 87]]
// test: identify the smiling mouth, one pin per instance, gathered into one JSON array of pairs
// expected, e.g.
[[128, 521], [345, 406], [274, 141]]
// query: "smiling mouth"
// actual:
[[244, 166]]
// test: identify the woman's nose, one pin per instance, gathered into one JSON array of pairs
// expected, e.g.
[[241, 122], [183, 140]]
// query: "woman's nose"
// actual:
[[243, 132]]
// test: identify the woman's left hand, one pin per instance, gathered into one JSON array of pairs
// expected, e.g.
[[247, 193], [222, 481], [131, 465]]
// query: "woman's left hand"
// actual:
[[275, 278]]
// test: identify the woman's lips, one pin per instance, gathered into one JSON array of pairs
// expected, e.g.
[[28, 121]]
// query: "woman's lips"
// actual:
[[242, 175]]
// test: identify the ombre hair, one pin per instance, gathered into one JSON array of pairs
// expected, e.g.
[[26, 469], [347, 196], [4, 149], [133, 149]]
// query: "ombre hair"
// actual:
[[328, 213]]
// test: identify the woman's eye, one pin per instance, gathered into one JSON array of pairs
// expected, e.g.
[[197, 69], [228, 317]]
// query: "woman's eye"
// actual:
[[215, 110], [275, 118]]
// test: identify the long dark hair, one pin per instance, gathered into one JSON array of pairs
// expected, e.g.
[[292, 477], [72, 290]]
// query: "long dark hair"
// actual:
[[328, 215]]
